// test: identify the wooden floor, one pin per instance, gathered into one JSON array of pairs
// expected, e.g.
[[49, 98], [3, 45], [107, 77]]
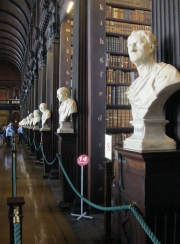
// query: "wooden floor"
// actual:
[[43, 223]]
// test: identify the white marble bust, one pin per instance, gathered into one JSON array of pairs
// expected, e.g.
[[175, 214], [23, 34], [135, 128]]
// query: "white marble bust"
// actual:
[[22, 122], [67, 108], [46, 114], [148, 94], [36, 119], [27, 122], [30, 117]]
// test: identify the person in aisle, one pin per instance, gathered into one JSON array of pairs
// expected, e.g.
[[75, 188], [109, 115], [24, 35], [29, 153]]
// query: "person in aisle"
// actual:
[[12, 127], [9, 134], [5, 138], [20, 132], [156, 81], [67, 106]]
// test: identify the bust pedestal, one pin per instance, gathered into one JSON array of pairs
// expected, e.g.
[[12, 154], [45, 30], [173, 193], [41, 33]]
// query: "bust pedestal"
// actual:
[[31, 136], [149, 135], [46, 140], [37, 140], [152, 180], [45, 127], [67, 150], [65, 127]]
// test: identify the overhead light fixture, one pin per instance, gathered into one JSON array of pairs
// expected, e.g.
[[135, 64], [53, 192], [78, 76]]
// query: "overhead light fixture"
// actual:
[[70, 6]]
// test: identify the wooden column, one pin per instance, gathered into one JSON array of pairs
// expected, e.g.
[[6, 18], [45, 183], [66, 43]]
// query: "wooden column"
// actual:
[[166, 28], [96, 40], [55, 104], [37, 139], [46, 140], [68, 154], [36, 93], [31, 134], [152, 180]]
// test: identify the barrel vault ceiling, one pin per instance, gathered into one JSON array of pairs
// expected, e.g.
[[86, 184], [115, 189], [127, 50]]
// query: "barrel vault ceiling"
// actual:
[[15, 24]]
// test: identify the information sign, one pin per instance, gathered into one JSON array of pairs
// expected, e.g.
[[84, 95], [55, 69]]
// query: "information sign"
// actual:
[[108, 146], [83, 160]]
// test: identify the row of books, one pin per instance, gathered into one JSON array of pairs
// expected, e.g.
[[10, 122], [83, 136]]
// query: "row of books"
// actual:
[[128, 14], [124, 28], [137, 3], [117, 139], [118, 118], [116, 44], [119, 61], [116, 95], [120, 77]]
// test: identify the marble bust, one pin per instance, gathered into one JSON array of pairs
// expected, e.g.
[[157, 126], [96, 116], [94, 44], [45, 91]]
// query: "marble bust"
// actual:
[[27, 122], [148, 94], [31, 117], [66, 109], [46, 114], [36, 119]]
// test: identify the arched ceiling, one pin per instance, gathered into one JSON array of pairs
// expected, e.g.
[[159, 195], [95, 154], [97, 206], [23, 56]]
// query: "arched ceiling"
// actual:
[[15, 23]]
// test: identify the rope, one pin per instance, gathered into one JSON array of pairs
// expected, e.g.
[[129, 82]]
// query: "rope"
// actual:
[[37, 149], [29, 140], [17, 233], [114, 208], [50, 163]]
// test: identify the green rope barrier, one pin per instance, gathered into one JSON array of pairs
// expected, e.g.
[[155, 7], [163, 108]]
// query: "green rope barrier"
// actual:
[[14, 175], [115, 208], [29, 140], [14, 187], [37, 149], [17, 233], [50, 163]]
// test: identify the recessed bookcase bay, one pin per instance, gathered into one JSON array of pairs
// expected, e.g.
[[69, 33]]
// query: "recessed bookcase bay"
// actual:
[[122, 17]]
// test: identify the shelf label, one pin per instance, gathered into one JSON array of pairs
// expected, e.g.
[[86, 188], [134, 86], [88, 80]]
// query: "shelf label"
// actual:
[[108, 146]]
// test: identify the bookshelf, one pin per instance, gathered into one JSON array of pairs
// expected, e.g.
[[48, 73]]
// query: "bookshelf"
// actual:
[[66, 53], [122, 17]]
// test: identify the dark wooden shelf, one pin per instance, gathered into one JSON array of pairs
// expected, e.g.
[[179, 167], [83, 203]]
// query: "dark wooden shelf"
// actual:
[[113, 106], [124, 69], [117, 5], [118, 84], [118, 54], [119, 130], [128, 21]]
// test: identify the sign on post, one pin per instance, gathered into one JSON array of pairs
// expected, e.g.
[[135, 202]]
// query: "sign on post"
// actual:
[[83, 160]]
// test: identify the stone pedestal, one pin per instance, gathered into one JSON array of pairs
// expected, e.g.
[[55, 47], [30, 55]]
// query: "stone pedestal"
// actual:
[[67, 150], [46, 140], [31, 136], [152, 180], [37, 140], [45, 127], [149, 135], [65, 127]]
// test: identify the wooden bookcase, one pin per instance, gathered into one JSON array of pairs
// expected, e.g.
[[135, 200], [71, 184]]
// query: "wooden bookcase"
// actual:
[[122, 17]]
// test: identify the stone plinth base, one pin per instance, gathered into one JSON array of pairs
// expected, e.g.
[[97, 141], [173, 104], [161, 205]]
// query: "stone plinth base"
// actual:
[[149, 135], [45, 127], [65, 127]]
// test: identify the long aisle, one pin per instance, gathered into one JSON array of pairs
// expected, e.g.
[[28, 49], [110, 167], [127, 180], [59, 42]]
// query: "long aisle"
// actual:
[[42, 223]]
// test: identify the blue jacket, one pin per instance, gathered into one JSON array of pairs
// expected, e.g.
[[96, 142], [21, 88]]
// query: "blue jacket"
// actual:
[[9, 131], [20, 130]]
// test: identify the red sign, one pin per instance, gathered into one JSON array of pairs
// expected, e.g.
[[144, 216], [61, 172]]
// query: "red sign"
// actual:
[[83, 160]]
